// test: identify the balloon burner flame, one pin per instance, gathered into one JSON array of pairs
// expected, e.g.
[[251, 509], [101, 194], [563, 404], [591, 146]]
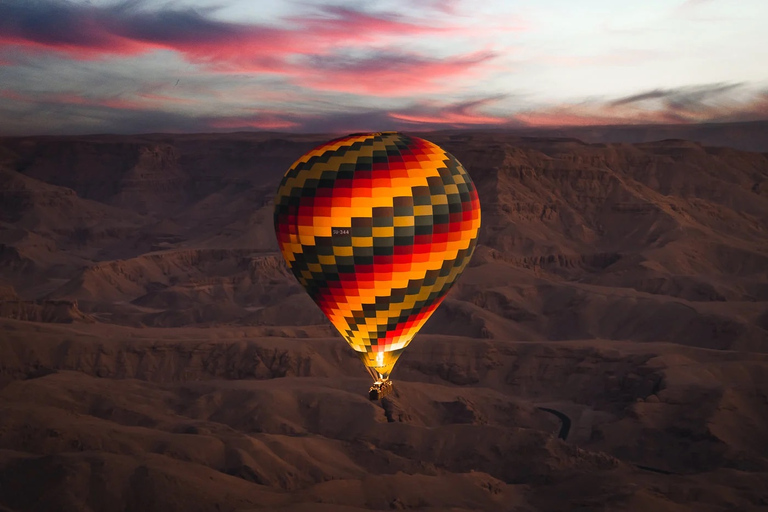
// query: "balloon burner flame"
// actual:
[[379, 365]]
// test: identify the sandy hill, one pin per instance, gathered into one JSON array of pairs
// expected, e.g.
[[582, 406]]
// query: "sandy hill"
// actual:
[[155, 352]]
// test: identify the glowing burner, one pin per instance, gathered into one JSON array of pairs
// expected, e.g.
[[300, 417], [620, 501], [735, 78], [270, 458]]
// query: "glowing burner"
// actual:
[[380, 389]]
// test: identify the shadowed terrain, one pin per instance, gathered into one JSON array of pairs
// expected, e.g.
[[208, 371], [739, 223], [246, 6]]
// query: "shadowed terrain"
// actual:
[[156, 354]]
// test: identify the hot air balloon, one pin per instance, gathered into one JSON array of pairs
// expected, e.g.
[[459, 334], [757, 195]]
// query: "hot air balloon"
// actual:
[[377, 227]]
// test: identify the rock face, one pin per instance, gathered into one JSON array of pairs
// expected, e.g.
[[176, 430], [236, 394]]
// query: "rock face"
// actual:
[[56, 311], [156, 352], [240, 418], [652, 241], [127, 173]]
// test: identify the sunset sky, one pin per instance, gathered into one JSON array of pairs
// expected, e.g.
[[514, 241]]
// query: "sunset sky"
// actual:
[[69, 67]]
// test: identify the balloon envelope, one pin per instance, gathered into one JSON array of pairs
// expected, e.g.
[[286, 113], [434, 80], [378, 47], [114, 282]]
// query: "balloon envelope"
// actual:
[[377, 227]]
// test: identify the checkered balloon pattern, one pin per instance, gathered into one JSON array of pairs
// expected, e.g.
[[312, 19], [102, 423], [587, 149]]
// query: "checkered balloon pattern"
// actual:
[[377, 227]]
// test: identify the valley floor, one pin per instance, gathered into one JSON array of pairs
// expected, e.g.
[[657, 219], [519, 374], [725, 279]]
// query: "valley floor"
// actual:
[[99, 417]]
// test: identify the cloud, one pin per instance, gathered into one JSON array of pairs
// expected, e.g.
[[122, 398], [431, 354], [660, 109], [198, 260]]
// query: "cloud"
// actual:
[[650, 95], [702, 103], [616, 57], [479, 114], [86, 32], [359, 26], [700, 11], [160, 110], [687, 104], [82, 31], [569, 115], [756, 110], [76, 114], [456, 115], [691, 96], [70, 99], [348, 122], [391, 74], [692, 4], [260, 120], [164, 98], [331, 48], [442, 6]]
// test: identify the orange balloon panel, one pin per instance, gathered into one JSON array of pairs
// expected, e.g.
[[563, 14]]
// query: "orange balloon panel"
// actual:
[[377, 227]]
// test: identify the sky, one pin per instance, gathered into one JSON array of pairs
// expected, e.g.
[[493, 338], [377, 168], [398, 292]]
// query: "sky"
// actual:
[[141, 66]]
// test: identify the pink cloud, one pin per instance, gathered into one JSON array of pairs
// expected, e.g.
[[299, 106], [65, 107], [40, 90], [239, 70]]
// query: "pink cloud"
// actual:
[[394, 75], [311, 50], [104, 46], [457, 115], [89, 32], [258, 120], [75, 99]]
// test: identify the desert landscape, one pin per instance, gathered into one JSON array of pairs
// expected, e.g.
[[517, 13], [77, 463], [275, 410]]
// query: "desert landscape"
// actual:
[[606, 348]]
